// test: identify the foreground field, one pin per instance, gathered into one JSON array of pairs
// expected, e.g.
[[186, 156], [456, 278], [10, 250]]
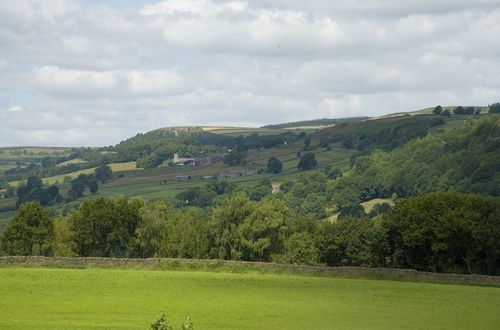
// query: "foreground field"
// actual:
[[99, 298]]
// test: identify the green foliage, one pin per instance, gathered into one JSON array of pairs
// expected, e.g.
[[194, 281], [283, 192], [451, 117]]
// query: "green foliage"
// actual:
[[446, 232], [33, 190], [160, 323], [464, 159], [79, 184], [437, 110], [351, 210], [386, 134], [300, 248], [30, 232], [323, 143], [103, 173], [459, 110], [274, 165], [307, 162], [151, 232], [494, 108], [199, 196], [105, 228], [243, 229], [236, 157]]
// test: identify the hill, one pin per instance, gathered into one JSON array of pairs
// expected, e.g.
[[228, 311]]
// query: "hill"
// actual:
[[315, 123]]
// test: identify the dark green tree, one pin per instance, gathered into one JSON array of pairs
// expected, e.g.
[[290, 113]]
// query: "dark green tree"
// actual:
[[437, 110], [446, 113], [459, 110], [30, 232], [103, 173], [93, 185], [307, 161], [77, 188], [105, 227], [274, 165], [494, 108]]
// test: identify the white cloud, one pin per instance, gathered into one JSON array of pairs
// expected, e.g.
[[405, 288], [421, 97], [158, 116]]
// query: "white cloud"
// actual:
[[93, 75], [15, 108]]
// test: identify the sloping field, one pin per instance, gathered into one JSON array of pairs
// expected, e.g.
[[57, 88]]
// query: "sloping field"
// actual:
[[72, 161], [116, 167], [36, 298]]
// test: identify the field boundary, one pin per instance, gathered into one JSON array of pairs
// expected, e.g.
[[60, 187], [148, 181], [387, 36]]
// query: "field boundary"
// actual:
[[216, 265]]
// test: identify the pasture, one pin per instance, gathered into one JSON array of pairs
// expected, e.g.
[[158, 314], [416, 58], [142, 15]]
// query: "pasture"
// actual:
[[129, 299]]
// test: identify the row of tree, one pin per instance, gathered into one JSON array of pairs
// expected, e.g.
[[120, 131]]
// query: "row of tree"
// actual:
[[440, 232]]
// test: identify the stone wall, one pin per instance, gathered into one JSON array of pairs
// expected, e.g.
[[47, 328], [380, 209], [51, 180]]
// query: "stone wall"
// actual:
[[243, 266]]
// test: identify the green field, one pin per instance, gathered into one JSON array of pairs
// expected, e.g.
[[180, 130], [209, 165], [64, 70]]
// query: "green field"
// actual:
[[37, 298]]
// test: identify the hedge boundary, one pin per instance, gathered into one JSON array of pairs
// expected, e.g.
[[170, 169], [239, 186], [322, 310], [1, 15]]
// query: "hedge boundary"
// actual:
[[243, 267]]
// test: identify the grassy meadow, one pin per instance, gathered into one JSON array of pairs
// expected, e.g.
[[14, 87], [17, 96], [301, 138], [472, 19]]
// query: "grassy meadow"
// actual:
[[40, 298]]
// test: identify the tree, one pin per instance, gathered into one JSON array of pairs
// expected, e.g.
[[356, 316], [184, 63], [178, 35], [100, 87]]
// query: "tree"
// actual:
[[103, 173], [33, 190], [446, 232], [30, 232], [93, 185], [446, 113], [274, 165], [307, 143], [469, 110], [105, 227], [307, 161], [459, 110], [236, 157], [437, 110], [151, 230], [261, 233], [77, 188], [323, 142], [300, 248], [224, 226], [494, 108]]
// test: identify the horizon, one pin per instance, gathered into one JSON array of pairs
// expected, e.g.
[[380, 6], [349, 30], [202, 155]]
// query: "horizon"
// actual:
[[94, 73]]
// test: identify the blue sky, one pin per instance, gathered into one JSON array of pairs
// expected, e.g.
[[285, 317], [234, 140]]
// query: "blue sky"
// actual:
[[92, 73]]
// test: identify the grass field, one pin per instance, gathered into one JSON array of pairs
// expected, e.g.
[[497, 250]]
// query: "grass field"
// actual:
[[37, 298], [71, 161], [115, 167]]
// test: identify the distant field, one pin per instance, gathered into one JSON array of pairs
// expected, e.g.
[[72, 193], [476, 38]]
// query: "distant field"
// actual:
[[20, 152], [116, 167], [368, 205], [162, 183], [72, 161], [35, 298], [235, 131]]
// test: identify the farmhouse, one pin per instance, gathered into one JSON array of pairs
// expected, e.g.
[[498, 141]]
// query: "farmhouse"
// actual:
[[178, 161]]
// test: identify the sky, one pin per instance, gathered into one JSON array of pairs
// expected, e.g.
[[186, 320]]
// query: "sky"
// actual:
[[93, 73]]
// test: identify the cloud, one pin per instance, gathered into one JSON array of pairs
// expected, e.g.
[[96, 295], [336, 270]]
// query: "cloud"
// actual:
[[15, 108], [90, 74]]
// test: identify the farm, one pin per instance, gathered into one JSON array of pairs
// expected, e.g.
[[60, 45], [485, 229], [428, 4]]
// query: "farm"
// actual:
[[119, 299]]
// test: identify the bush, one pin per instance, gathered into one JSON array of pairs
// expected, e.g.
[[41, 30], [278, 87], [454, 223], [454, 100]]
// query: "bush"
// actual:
[[160, 323]]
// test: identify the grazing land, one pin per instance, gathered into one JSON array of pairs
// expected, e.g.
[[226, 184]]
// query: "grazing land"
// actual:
[[119, 299]]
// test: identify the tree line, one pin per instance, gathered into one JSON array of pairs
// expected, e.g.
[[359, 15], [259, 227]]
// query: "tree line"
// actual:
[[439, 232]]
